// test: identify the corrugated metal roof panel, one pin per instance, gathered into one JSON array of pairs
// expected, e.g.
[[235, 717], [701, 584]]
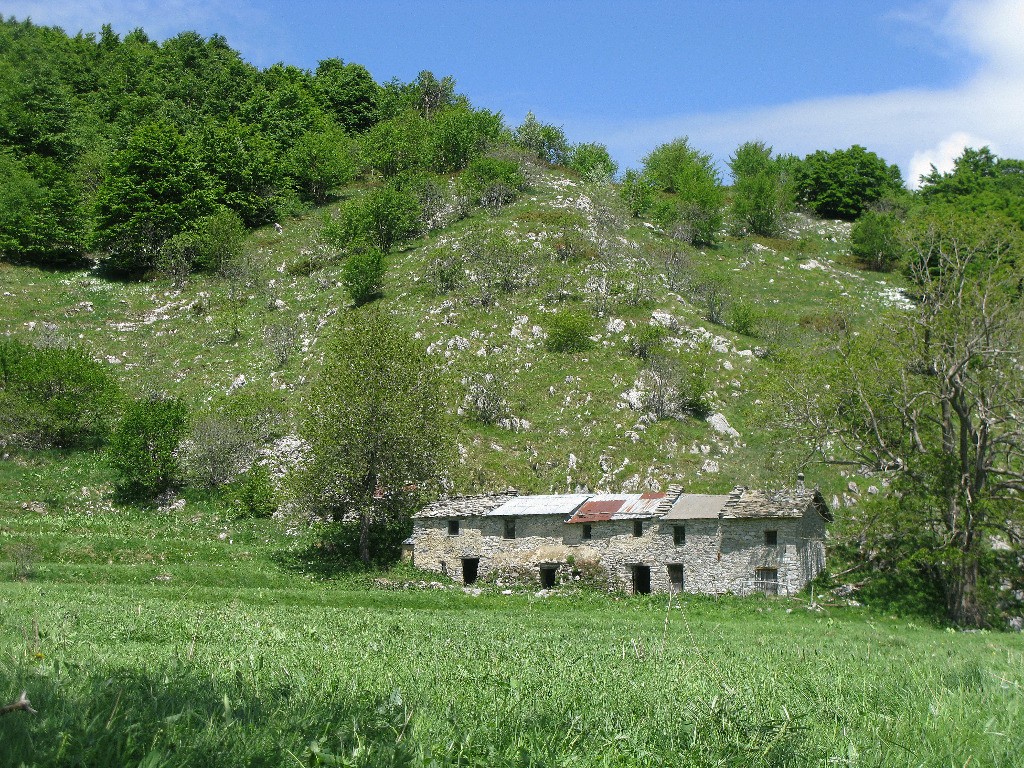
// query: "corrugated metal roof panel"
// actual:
[[642, 506], [596, 510], [551, 504]]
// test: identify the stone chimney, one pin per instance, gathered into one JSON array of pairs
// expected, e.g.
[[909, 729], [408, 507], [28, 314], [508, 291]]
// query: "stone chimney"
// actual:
[[800, 481]]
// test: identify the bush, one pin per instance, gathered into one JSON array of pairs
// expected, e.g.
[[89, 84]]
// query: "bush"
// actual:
[[761, 194], [363, 275], [381, 218], [446, 271], [695, 214], [570, 331], [55, 397], [592, 161], [842, 184], [743, 317], [637, 192], [491, 182], [546, 141], [874, 241], [647, 340], [143, 450], [253, 494]]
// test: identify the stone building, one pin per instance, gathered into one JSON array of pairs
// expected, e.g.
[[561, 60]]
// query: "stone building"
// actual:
[[742, 542]]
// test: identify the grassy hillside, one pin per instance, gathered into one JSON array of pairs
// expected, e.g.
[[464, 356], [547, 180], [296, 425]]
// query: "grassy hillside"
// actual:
[[567, 419]]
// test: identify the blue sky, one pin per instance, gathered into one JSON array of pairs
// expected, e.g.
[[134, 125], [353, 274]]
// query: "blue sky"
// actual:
[[913, 81]]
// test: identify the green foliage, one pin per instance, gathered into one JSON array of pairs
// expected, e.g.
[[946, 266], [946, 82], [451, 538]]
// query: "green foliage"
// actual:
[[637, 192], [459, 134], [321, 160], [546, 141], [143, 449], [154, 188], [382, 218], [252, 494], [843, 183], [875, 242], [363, 275], [446, 270], [761, 195], [398, 145], [647, 341], [743, 317], [569, 331], [694, 213], [980, 183], [591, 160], [348, 93], [491, 181], [54, 397], [377, 428]]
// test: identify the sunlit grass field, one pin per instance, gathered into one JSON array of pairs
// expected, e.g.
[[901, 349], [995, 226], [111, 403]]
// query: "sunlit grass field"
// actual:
[[190, 637]]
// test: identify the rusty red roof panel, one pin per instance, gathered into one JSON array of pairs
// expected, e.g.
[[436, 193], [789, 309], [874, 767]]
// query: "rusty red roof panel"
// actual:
[[597, 511]]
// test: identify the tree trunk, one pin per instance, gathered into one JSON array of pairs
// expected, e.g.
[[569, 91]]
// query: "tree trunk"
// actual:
[[962, 604], [364, 537]]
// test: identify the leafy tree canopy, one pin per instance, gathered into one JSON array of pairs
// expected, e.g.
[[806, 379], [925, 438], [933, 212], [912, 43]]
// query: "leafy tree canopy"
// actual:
[[843, 183]]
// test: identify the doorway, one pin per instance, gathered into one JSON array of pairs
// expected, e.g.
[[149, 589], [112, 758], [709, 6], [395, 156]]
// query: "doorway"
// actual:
[[548, 576], [470, 569], [675, 578], [641, 579]]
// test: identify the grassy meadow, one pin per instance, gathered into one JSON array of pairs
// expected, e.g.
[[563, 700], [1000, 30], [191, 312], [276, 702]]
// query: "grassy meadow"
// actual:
[[189, 637]]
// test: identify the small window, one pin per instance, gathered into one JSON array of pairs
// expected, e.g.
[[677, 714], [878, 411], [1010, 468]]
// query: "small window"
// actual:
[[453, 527], [510, 528], [638, 527], [679, 535], [588, 532], [771, 538]]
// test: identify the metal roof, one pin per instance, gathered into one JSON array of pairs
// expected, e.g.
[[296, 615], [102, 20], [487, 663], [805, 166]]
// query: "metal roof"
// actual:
[[549, 504], [625, 506]]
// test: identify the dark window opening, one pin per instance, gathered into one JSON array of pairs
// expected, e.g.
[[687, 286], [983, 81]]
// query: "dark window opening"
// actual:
[[470, 569], [510, 528], [638, 527], [548, 575], [641, 579], [588, 532], [771, 538], [453, 527], [766, 580], [675, 578], [678, 535]]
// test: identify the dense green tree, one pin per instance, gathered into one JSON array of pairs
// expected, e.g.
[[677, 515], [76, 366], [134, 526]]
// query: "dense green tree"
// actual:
[[397, 145], [637, 192], [382, 218], [980, 182], [761, 196], [843, 183], [54, 397], [143, 449], [377, 428], [347, 93], [156, 187], [491, 181]]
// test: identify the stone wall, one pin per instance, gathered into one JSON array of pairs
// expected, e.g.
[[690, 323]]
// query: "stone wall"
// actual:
[[717, 556]]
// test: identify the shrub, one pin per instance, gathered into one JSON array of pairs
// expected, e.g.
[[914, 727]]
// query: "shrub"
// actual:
[[491, 182], [143, 448], [570, 331], [381, 218], [743, 317], [446, 271], [647, 340], [55, 397], [637, 192], [363, 275], [546, 141], [592, 161], [253, 493], [874, 241], [761, 194]]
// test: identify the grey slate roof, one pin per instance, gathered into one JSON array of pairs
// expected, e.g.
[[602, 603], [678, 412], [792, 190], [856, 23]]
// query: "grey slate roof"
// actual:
[[745, 503], [696, 506], [466, 506]]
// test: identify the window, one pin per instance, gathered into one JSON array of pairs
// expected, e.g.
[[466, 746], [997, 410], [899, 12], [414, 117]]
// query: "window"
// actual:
[[510, 528], [771, 538], [638, 527], [679, 535], [588, 531], [766, 580], [453, 527]]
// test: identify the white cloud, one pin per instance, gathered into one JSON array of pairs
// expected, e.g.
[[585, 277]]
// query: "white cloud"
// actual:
[[943, 154], [909, 127]]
